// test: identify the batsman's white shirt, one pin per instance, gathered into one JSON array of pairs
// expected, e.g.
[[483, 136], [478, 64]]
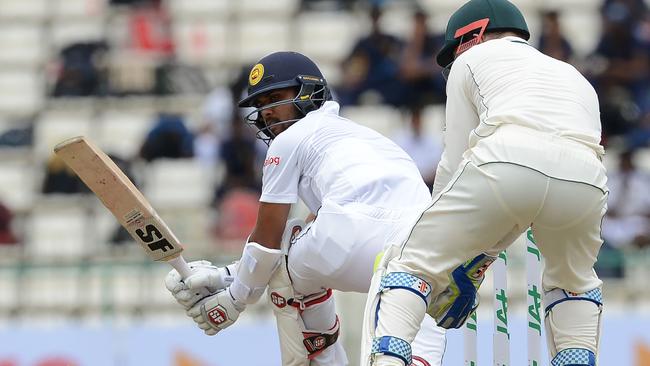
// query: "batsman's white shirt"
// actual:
[[363, 187], [325, 157], [367, 193]]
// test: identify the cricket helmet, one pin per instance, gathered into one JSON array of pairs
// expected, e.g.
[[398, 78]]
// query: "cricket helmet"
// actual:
[[281, 70], [467, 24]]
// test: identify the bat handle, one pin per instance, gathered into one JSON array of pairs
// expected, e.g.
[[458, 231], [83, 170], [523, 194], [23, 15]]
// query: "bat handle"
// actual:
[[181, 266]]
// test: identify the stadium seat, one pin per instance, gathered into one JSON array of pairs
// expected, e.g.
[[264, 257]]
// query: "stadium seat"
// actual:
[[257, 38], [582, 27], [48, 288], [331, 70], [255, 9], [202, 42], [59, 229], [642, 159], [125, 287], [327, 36], [18, 185], [433, 119], [122, 132], [396, 20], [21, 44], [56, 126], [24, 9], [22, 91], [178, 183], [79, 9], [156, 293], [65, 32], [383, 119], [9, 287], [211, 9]]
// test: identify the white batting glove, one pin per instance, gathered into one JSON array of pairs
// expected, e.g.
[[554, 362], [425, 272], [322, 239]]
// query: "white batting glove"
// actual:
[[216, 312], [205, 280]]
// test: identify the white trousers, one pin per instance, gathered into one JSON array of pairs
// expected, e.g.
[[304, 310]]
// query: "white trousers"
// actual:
[[338, 251], [485, 208]]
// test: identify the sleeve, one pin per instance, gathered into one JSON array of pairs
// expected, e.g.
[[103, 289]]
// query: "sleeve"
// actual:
[[461, 117], [281, 172]]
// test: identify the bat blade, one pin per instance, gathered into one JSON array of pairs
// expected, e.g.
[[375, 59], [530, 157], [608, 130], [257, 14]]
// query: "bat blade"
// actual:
[[123, 200]]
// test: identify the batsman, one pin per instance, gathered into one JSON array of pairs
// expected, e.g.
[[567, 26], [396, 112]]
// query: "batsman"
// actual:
[[522, 148], [364, 194]]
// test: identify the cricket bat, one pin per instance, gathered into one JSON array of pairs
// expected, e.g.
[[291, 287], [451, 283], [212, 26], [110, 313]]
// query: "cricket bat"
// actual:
[[124, 200]]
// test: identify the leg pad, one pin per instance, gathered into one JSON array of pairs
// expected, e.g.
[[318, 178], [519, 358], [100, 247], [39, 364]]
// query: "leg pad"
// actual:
[[392, 346], [408, 282], [574, 357]]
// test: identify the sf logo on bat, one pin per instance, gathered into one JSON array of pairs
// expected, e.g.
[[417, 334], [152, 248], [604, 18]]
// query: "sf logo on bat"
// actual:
[[153, 237]]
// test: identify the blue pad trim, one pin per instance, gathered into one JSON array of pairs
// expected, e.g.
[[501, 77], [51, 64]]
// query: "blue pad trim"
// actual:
[[557, 296], [408, 282], [574, 357], [392, 346]]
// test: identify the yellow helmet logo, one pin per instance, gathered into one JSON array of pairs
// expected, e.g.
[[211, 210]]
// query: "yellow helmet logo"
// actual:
[[256, 74]]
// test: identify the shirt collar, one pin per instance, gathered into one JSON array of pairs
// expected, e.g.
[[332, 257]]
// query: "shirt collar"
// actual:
[[329, 107], [515, 39]]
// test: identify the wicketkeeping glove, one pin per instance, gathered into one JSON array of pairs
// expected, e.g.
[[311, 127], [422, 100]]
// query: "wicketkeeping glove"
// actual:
[[459, 300]]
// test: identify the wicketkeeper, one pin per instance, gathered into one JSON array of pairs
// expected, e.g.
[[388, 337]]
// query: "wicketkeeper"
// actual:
[[365, 193], [522, 148]]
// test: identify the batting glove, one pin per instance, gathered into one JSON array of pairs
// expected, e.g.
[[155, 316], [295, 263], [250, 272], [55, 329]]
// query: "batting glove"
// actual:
[[205, 280], [216, 312]]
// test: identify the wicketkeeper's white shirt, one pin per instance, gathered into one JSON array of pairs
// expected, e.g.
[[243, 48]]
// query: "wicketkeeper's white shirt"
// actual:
[[506, 87]]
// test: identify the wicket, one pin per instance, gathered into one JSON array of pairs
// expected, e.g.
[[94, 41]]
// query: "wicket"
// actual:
[[501, 335]]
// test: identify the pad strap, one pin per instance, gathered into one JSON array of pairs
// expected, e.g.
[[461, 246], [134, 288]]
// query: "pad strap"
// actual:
[[558, 295], [392, 346], [304, 302], [317, 342], [407, 282], [574, 357]]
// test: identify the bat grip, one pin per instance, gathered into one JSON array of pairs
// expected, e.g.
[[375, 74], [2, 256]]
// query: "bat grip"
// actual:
[[181, 266]]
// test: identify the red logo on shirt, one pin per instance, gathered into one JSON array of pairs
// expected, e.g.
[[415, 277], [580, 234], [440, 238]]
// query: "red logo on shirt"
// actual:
[[273, 160]]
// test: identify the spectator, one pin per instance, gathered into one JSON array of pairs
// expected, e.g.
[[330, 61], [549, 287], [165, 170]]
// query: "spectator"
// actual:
[[59, 178], [217, 114], [552, 42], [238, 153], [169, 138], [620, 66], [82, 72], [418, 68], [639, 136], [627, 223], [423, 148], [237, 216], [6, 234], [373, 66], [150, 28], [21, 134], [325, 5]]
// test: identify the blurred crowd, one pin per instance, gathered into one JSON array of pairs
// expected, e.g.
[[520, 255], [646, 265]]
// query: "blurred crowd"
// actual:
[[380, 69]]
